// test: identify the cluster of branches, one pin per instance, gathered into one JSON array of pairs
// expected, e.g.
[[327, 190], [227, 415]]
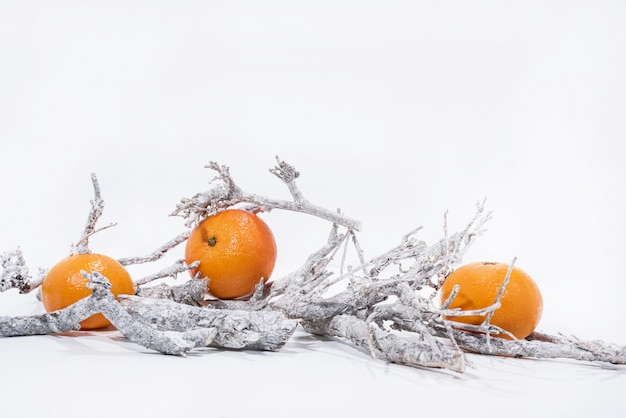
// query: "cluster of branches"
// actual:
[[385, 306]]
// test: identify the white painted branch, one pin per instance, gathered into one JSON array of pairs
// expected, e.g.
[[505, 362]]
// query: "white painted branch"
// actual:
[[393, 347], [15, 274], [103, 301], [237, 329], [171, 271], [97, 207], [191, 292], [386, 308], [543, 346], [226, 193], [156, 254]]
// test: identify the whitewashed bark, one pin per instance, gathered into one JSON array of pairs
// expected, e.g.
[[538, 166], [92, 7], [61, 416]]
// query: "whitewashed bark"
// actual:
[[172, 271], [103, 301], [15, 273], [156, 254], [97, 207], [226, 193], [238, 329], [191, 292], [389, 346], [542, 346]]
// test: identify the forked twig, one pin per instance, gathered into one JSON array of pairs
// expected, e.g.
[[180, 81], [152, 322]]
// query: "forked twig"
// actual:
[[97, 206], [225, 193]]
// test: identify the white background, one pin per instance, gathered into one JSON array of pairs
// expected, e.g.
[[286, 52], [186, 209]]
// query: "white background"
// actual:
[[393, 111]]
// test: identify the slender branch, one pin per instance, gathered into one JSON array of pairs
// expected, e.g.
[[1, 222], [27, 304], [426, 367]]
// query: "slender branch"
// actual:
[[503, 286], [97, 207], [191, 292], [225, 193], [288, 174], [446, 304], [488, 312], [544, 346], [171, 271], [315, 263], [359, 251], [158, 253]]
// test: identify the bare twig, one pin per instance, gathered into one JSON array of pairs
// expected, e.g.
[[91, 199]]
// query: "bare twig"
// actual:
[[158, 253], [14, 272], [97, 206], [171, 271], [485, 327], [288, 174]]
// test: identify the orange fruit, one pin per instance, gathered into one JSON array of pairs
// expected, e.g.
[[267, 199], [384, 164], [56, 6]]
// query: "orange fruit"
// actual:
[[235, 249], [480, 283], [64, 284]]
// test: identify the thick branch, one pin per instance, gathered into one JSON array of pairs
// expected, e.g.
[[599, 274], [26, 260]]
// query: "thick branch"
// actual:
[[48, 323], [393, 347], [262, 330], [102, 300]]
